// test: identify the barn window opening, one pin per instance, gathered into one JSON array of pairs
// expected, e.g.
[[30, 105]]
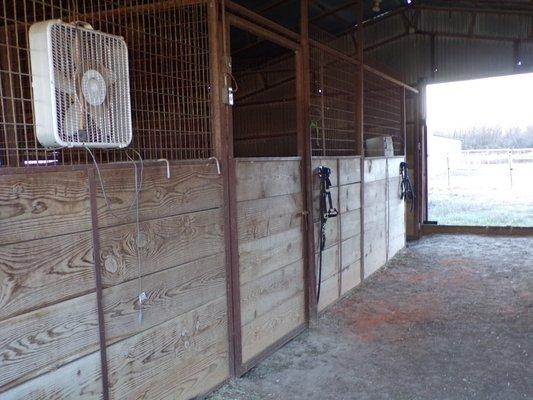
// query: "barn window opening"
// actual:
[[480, 152]]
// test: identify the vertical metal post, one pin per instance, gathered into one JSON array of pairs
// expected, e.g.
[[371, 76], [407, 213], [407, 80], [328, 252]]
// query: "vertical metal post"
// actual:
[[305, 152]]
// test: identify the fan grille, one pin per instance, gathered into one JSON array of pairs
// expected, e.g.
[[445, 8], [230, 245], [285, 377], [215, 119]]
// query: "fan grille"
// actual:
[[84, 55]]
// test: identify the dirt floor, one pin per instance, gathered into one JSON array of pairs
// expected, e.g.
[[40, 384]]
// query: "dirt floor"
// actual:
[[451, 317]]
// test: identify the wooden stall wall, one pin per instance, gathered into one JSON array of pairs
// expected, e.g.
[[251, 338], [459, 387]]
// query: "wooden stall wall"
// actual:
[[49, 330], [341, 258], [271, 264], [384, 212]]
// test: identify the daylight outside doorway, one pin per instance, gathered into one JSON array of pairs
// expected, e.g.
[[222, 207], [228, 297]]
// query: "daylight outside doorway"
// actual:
[[480, 152]]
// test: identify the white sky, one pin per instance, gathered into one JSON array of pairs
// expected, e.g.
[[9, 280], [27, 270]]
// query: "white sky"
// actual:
[[505, 101]]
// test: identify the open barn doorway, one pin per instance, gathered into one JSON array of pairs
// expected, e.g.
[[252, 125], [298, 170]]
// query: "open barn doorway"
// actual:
[[480, 152]]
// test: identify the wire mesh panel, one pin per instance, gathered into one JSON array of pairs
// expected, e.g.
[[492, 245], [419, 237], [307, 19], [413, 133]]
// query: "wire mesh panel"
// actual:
[[383, 110], [169, 77], [333, 105]]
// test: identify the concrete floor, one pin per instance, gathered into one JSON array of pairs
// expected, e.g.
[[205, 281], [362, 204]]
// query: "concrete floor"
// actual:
[[451, 317]]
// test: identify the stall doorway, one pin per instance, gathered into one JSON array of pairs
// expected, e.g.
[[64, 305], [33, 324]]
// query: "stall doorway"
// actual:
[[480, 152]]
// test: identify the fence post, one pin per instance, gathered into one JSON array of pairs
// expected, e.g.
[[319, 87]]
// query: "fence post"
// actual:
[[510, 162]]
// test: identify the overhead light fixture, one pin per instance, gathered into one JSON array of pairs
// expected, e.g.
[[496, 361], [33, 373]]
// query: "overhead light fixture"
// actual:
[[377, 6]]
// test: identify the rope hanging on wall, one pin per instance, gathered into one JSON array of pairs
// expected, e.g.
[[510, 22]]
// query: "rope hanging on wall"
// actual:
[[326, 211], [407, 192]]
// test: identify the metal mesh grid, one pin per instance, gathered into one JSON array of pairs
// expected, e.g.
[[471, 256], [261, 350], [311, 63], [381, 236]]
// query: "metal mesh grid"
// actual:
[[169, 77], [333, 102], [383, 110]]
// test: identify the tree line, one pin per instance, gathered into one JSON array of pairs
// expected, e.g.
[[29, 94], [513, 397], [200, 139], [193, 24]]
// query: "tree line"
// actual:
[[492, 137]]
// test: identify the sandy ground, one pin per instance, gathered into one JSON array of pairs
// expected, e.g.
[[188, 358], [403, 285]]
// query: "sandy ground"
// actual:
[[451, 317]]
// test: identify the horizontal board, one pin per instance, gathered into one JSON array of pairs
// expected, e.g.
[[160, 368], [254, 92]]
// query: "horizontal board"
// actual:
[[394, 190], [329, 292], [170, 293], [330, 261], [349, 170], [262, 256], [258, 180], [331, 163], [271, 327], [80, 379], [350, 277], [375, 194], [263, 217], [375, 254], [267, 292], [396, 243], [332, 232], [164, 243], [190, 188], [45, 271], [375, 169], [40, 205], [179, 359], [42, 340], [350, 251], [349, 197], [350, 224], [393, 166]]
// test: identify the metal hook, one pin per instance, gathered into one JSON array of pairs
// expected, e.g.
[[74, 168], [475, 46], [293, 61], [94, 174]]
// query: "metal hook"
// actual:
[[218, 163], [168, 166]]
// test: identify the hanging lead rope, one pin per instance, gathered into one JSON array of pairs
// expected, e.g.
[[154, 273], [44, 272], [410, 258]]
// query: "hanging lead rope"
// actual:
[[407, 192], [326, 211]]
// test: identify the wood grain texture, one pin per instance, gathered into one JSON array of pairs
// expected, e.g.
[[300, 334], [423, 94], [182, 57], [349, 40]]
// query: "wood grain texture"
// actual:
[[349, 197], [79, 379], [375, 169], [375, 194], [264, 217], [190, 188], [351, 277], [260, 296], [332, 232], [178, 359], [262, 256], [42, 340], [330, 261], [39, 205], [329, 292], [165, 243], [170, 293], [393, 166], [350, 250], [258, 180], [349, 170], [42, 272], [350, 224], [270, 327]]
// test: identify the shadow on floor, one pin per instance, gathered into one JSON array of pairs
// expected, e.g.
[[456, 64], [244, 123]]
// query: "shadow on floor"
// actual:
[[451, 317]]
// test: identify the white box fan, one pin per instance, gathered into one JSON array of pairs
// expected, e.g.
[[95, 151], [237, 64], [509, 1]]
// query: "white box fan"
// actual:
[[80, 86]]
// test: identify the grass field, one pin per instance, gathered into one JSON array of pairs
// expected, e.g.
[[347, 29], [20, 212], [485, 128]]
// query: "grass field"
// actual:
[[482, 195]]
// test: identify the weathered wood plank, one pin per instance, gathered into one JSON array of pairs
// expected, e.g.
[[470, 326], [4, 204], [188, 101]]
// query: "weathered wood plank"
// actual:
[[270, 327], [329, 292], [80, 379], [350, 224], [262, 256], [351, 277], [42, 340], [349, 197], [260, 296], [170, 293], [376, 194], [39, 205], [330, 261], [42, 272], [190, 188], [349, 170], [350, 250], [375, 252], [375, 169], [165, 243], [396, 243], [178, 359], [264, 217], [393, 166], [258, 180]]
